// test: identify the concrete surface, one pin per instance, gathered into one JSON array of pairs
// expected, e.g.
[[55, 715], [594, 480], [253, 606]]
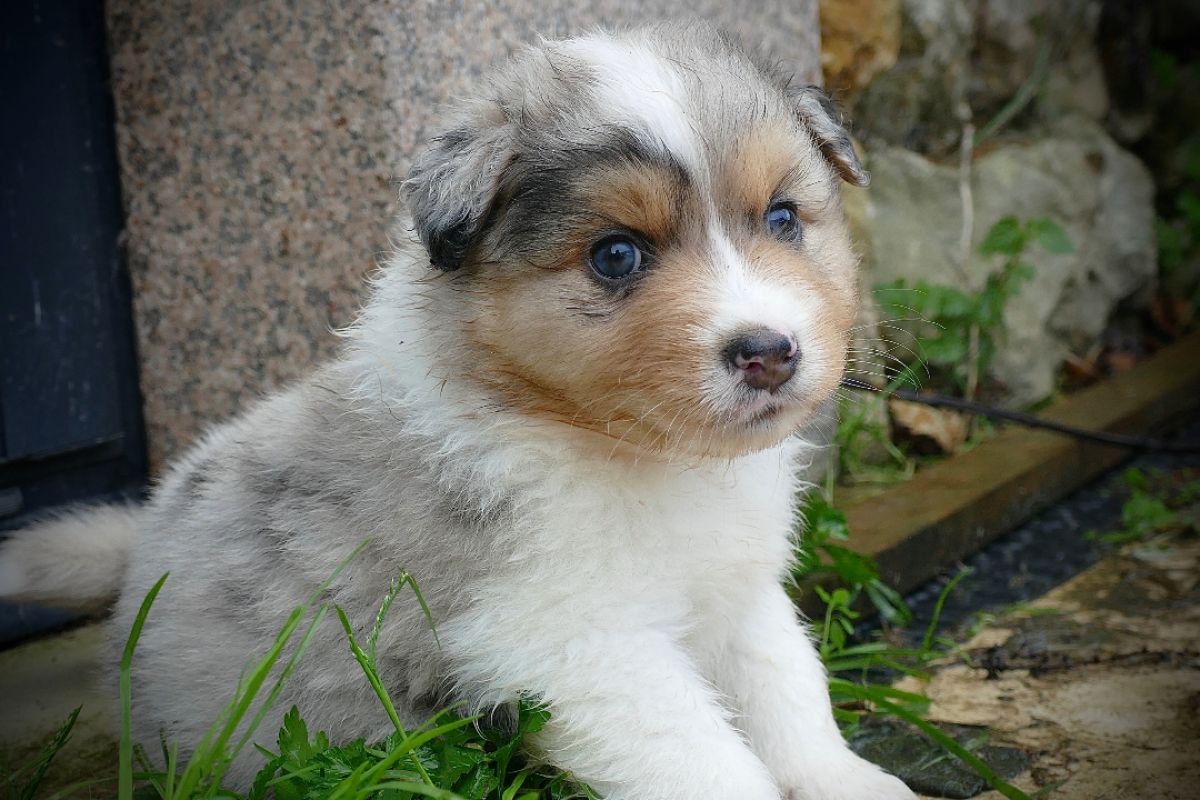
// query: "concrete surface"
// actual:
[[40, 683], [1098, 681]]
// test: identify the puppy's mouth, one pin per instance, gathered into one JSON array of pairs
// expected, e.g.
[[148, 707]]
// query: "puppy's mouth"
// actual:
[[764, 416], [759, 410]]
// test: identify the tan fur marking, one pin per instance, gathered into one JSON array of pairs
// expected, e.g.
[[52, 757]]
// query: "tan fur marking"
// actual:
[[642, 199], [757, 169]]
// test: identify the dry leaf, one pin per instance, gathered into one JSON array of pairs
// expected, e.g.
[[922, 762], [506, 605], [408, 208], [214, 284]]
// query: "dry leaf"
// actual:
[[1119, 361], [1171, 315], [929, 430]]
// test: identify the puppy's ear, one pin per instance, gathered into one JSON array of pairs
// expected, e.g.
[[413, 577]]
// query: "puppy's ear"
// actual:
[[822, 117], [451, 187]]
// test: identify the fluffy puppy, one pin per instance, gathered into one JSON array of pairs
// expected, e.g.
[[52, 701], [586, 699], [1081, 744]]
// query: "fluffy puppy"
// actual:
[[569, 410]]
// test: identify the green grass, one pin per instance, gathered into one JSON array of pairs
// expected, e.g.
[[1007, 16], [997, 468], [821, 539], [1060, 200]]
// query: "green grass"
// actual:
[[1158, 503], [23, 783], [449, 756]]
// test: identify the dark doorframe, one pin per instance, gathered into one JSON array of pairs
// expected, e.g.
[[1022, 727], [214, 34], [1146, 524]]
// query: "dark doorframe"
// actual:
[[70, 409]]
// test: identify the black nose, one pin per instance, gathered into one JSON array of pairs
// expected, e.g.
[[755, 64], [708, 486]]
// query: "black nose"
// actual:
[[766, 358]]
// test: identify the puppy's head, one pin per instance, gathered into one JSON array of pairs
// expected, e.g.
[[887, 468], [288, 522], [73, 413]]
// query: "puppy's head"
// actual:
[[646, 238]]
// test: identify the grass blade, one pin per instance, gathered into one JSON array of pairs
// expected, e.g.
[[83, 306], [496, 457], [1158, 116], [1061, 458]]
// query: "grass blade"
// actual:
[[412, 584], [409, 746], [42, 763], [368, 668], [405, 579], [393, 590], [72, 791], [210, 759], [943, 739], [125, 767], [408, 786], [961, 753], [931, 630], [290, 667]]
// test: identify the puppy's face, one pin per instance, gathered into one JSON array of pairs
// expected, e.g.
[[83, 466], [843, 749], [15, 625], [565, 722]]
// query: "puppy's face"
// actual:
[[646, 237]]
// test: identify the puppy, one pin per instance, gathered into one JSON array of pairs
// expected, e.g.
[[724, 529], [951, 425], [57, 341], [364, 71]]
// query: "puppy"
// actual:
[[569, 411]]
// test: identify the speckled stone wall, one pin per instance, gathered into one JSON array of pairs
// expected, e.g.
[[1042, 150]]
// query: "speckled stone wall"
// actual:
[[260, 146]]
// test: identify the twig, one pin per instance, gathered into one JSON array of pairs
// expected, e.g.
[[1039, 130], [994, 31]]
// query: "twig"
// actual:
[[1025, 93], [966, 234], [1029, 420]]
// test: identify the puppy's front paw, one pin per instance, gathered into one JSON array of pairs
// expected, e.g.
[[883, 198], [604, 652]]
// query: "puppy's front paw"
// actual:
[[847, 777]]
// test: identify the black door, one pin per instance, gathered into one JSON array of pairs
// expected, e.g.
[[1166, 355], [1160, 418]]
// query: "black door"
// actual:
[[70, 413]]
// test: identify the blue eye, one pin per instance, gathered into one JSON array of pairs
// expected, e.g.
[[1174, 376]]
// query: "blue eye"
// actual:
[[615, 258], [783, 223]]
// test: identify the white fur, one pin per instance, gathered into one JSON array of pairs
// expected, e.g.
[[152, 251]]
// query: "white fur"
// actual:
[[12, 578], [73, 559], [744, 300], [642, 89]]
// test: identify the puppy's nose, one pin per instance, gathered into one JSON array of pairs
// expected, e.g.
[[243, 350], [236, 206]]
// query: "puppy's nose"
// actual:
[[766, 358]]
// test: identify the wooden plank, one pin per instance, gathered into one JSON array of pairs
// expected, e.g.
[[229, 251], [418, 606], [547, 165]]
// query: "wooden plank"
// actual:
[[951, 509]]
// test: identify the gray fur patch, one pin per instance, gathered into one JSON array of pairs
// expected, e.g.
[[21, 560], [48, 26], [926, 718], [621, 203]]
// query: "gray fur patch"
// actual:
[[195, 482], [824, 120]]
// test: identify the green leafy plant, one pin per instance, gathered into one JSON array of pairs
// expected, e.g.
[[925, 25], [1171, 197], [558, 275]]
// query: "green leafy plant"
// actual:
[[823, 552], [865, 450], [961, 330], [843, 656], [1153, 507], [455, 761]]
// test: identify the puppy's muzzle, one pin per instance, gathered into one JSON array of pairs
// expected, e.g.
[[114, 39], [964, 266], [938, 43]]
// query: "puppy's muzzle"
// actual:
[[766, 359]]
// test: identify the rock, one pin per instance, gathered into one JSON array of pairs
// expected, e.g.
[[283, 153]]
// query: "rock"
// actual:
[[1075, 83], [914, 103], [859, 40], [1005, 49], [1008, 37], [1075, 175], [973, 58], [911, 218], [921, 763], [1100, 685]]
